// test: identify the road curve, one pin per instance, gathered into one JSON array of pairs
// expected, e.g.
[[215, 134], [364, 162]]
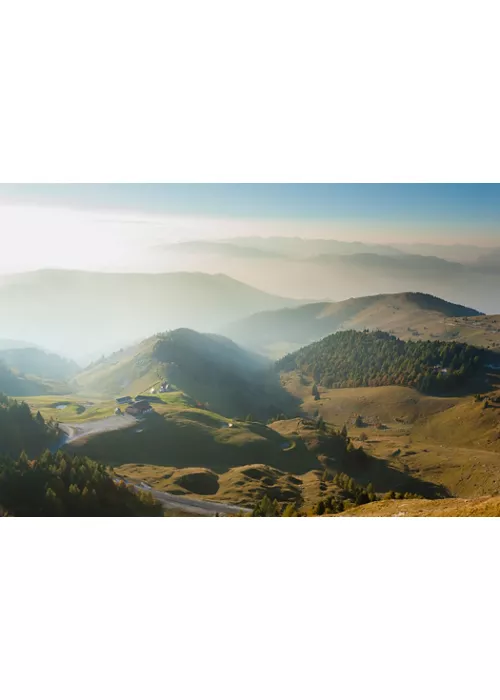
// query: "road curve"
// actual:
[[75, 431], [194, 506]]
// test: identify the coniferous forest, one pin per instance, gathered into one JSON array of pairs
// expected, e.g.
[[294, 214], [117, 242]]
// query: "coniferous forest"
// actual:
[[375, 358], [55, 484], [21, 430], [61, 485]]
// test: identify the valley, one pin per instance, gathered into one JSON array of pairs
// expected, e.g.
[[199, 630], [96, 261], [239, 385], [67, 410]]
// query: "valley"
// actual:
[[349, 419]]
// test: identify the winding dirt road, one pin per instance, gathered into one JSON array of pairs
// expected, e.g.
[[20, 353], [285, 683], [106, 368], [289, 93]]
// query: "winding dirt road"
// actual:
[[194, 506]]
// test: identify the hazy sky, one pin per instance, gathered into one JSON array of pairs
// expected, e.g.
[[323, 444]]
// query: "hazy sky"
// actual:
[[118, 226], [443, 203]]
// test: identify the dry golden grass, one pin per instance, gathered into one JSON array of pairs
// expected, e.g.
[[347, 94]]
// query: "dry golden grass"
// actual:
[[384, 403], [401, 317], [240, 485], [488, 507], [483, 331], [452, 442], [467, 424]]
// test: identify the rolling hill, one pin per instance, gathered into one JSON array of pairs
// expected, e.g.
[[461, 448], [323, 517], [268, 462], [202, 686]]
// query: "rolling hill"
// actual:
[[29, 371], [85, 314], [210, 369], [239, 461], [451, 441], [179, 435], [13, 383], [38, 363], [405, 315]]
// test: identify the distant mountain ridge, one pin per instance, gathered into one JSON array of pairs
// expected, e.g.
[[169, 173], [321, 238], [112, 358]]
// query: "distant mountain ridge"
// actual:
[[310, 322], [405, 262], [321, 268], [84, 314], [17, 384], [32, 361], [10, 344], [279, 247], [296, 247]]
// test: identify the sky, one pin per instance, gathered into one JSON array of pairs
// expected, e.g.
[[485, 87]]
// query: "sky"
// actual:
[[430, 203], [115, 226]]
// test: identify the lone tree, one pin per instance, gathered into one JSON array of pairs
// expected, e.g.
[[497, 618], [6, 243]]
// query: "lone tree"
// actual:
[[320, 508], [315, 392], [290, 511], [320, 424]]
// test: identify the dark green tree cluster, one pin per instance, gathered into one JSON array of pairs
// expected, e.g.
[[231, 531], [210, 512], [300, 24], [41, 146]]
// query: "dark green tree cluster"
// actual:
[[396, 495], [349, 494], [267, 508], [60, 485], [333, 444], [277, 417], [20, 430], [376, 358]]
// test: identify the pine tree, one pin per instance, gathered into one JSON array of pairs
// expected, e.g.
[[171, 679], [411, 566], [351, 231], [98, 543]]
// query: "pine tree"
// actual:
[[320, 508], [290, 511]]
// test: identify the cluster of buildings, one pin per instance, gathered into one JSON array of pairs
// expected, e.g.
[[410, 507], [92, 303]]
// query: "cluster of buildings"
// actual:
[[140, 405], [164, 388], [133, 407]]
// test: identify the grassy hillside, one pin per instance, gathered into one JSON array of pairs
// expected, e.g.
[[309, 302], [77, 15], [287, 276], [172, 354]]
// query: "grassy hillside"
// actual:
[[66, 408], [212, 370], [183, 438], [452, 442], [190, 437], [85, 314], [387, 404], [244, 485], [401, 314], [482, 331], [488, 507]]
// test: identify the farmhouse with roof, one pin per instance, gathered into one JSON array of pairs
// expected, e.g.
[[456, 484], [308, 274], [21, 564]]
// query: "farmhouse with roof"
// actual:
[[139, 408], [124, 399]]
